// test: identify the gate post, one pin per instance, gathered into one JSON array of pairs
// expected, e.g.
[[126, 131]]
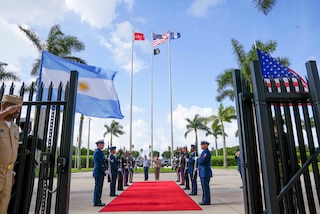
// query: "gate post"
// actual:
[[267, 162], [248, 145], [65, 158], [314, 88]]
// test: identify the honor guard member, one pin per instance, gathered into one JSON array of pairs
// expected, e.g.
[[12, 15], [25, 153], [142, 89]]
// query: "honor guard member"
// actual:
[[114, 171], [180, 167], [99, 171], [126, 169], [131, 166], [176, 164], [191, 167], [184, 166], [9, 142], [120, 159], [205, 172]]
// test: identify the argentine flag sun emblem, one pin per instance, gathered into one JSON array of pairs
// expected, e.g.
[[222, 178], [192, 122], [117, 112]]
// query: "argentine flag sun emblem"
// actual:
[[83, 86]]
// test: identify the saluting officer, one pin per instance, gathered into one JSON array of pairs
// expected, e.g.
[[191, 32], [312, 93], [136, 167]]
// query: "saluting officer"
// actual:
[[114, 171], [205, 172], [9, 142]]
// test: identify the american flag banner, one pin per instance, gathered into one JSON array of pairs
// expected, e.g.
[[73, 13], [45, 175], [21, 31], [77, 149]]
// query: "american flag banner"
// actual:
[[272, 69], [159, 39]]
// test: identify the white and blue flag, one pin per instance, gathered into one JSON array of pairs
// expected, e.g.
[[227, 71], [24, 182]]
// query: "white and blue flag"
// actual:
[[96, 96]]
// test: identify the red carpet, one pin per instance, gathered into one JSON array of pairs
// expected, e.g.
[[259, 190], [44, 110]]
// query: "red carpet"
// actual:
[[152, 196]]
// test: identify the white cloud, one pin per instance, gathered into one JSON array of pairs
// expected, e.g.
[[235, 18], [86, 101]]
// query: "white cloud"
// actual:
[[200, 8], [135, 109], [120, 45], [16, 50], [97, 13], [37, 12]]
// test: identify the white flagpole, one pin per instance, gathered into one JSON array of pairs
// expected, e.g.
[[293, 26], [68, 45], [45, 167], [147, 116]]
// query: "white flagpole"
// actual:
[[131, 87], [151, 97], [170, 91]]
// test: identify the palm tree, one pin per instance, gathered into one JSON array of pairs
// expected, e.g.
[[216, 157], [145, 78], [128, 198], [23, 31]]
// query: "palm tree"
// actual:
[[225, 81], [194, 125], [60, 45], [114, 129], [224, 115], [7, 75], [57, 43], [265, 5], [215, 131]]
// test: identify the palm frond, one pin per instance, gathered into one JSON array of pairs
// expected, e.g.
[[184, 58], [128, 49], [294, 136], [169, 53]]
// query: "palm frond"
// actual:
[[265, 6]]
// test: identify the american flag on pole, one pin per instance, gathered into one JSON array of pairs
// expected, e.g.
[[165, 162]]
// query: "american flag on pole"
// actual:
[[159, 39], [272, 69]]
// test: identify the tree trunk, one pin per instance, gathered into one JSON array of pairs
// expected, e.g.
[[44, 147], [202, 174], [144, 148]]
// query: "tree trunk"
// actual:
[[216, 147], [79, 143], [225, 161]]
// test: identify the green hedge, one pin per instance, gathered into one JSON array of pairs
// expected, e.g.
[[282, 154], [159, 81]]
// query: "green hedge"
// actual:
[[218, 161], [83, 161]]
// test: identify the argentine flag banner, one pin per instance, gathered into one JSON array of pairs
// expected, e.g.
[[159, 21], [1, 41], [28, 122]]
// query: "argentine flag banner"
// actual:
[[96, 95]]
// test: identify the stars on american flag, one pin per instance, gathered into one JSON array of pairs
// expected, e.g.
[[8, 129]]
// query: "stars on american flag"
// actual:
[[272, 69]]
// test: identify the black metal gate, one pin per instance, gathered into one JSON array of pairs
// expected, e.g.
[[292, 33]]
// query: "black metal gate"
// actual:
[[47, 152], [279, 132]]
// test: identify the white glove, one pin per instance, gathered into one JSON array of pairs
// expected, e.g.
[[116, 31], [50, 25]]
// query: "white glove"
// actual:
[[119, 170], [106, 172], [187, 159]]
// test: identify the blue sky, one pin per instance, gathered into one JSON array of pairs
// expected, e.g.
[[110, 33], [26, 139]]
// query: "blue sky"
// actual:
[[203, 52]]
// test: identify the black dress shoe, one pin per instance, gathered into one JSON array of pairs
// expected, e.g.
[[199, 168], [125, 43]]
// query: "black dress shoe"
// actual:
[[201, 203], [99, 205], [192, 194], [113, 195], [186, 188]]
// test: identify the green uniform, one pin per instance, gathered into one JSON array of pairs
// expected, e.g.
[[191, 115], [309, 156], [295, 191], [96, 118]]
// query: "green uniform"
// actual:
[[9, 143]]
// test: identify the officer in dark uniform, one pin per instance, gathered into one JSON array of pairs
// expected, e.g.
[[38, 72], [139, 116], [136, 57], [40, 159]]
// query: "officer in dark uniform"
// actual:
[[131, 166], [114, 171], [205, 172], [184, 166], [99, 171], [126, 169], [191, 167], [120, 159], [27, 172]]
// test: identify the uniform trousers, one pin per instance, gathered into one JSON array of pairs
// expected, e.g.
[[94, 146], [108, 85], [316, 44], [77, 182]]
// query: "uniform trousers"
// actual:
[[113, 184], [156, 173], [5, 189], [98, 189], [181, 175], [194, 188], [206, 190], [146, 173]]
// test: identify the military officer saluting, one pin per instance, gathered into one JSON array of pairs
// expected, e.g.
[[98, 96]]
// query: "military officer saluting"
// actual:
[[113, 170], [9, 142]]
